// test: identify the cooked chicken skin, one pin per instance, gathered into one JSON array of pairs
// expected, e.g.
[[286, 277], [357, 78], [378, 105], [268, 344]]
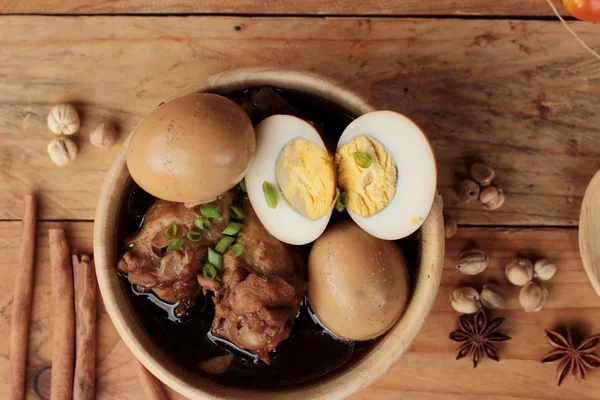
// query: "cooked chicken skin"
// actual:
[[148, 265], [262, 290], [257, 295]]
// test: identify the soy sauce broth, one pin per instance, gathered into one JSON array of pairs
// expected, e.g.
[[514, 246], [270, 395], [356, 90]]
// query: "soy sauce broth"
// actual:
[[310, 352]]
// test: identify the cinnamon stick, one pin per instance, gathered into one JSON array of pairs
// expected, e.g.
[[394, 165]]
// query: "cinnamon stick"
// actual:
[[61, 386], [85, 328], [22, 298], [153, 388]]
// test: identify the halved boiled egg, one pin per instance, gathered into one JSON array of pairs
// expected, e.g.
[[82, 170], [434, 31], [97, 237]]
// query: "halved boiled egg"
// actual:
[[292, 182], [387, 169]]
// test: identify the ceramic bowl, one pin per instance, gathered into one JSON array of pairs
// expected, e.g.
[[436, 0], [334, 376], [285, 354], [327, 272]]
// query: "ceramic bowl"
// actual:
[[333, 386]]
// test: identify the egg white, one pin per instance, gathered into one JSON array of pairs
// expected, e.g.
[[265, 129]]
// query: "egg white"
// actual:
[[417, 175], [283, 222]]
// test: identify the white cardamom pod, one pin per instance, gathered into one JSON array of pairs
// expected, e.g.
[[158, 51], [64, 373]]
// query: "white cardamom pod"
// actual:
[[533, 297], [482, 173], [472, 261], [519, 271], [63, 119], [104, 135], [62, 151], [491, 197], [544, 269], [492, 296], [465, 300]]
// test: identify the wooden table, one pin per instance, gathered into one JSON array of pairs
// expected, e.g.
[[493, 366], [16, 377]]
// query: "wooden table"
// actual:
[[501, 82]]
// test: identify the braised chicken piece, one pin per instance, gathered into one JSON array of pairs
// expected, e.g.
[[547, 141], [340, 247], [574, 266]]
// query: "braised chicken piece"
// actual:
[[257, 295], [171, 274], [261, 290]]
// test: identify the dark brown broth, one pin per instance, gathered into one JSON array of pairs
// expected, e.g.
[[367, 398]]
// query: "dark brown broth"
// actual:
[[309, 353]]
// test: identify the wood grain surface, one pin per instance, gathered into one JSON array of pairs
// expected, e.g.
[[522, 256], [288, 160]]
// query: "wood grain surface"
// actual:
[[429, 370], [283, 7], [519, 95]]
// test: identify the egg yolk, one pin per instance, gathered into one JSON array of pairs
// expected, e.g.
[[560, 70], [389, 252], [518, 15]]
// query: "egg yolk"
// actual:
[[369, 186], [306, 176]]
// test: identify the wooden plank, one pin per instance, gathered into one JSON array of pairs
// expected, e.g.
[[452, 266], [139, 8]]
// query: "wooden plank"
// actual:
[[312, 7], [520, 95], [429, 370]]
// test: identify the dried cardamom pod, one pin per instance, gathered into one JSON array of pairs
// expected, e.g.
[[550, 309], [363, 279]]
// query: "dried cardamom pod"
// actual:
[[482, 173], [491, 197], [533, 297], [493, 295], [450, 226], [472, 261], [62, 151], [465, 300], [519, 271], [544, 269], [469, 190]]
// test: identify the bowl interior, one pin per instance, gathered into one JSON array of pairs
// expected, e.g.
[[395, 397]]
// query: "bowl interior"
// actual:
[[335, 385]]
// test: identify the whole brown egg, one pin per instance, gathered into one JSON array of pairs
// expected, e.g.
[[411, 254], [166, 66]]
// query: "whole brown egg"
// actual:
[[357, 284], [192, 149]]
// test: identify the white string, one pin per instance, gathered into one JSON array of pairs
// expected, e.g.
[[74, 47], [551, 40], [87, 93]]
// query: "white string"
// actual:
[[588, 48]]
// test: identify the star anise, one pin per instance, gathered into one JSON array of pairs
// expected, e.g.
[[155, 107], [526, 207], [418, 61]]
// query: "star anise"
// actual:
[[477, 336], [571, 359]]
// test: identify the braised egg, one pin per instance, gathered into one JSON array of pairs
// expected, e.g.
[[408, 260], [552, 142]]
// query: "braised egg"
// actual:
[[387, 169], [357, 284], [292, 182], [191, 149]]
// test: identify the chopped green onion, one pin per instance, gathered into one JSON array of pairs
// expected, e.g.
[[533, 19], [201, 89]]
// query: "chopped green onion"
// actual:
[[232, 228], [211, 211], [340, 205], [270, 195], [361, 159], [194, 236], [175, 244], [209, 271], [237, 212], [215, 259], [203, 223], [238, 249], [171, 231], [243, 185], [223, 244]]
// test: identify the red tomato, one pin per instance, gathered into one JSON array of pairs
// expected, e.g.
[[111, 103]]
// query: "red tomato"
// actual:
[[585, 10]]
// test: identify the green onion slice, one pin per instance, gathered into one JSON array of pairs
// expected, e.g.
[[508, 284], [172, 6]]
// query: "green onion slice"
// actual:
[[175, 244], [237, 212], [243, 185], [194, 236], [209, 271], [171, 231], [224, 244], [203, 223], [270, 195], [341, 203], [215, 259], [361, 159], [211, 211], [232, 228], [238, 249]]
